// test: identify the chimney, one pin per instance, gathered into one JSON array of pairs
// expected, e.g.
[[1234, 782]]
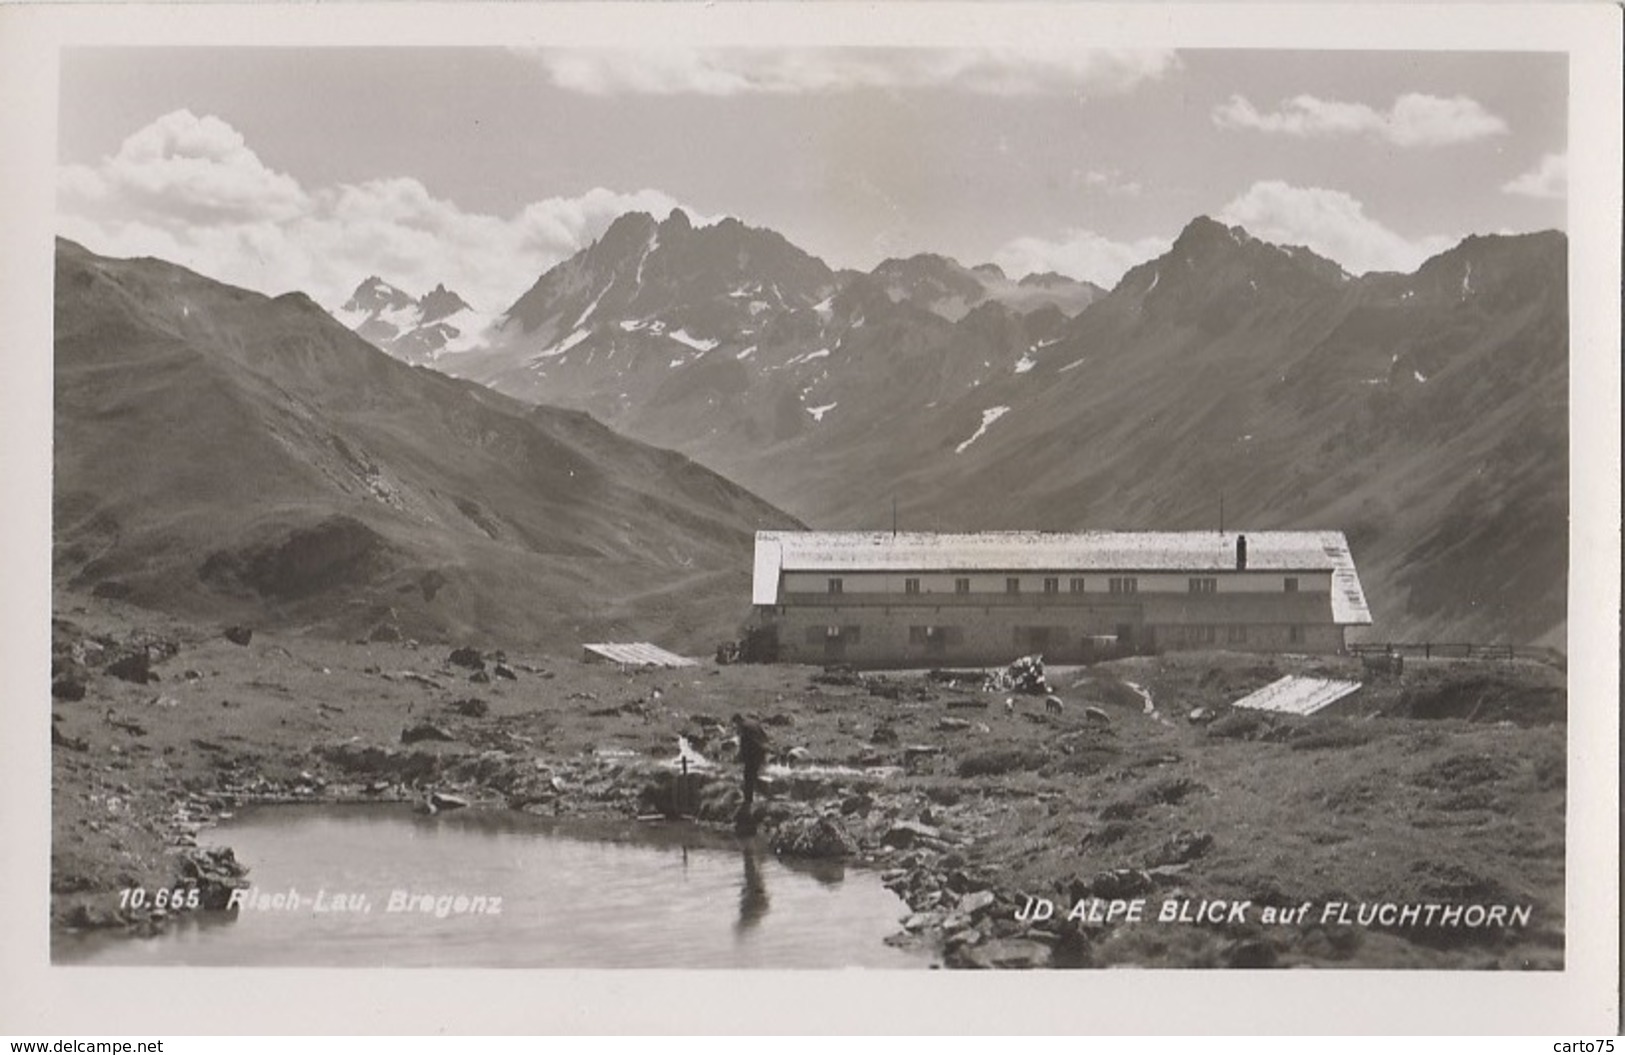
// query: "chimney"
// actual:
[[1241, 552]]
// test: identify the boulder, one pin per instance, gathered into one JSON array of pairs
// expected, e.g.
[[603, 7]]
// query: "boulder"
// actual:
[[473, 707], [239, 635], [1008, 954], [441, 800], [424, 731], [905, 834], [467, 657], [1095, 714], [948, 724], [68, 688], [976, 903], [135, 667], [821, 837], [502, 670]]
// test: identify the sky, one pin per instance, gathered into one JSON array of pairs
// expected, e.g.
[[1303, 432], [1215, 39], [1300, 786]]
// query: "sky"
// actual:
[[313, 168]]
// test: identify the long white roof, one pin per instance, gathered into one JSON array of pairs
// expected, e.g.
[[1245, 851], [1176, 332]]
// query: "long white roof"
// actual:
[[1176, 551]]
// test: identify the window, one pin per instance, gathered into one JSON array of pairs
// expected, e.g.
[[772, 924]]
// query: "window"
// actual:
[[832, 631], [1205, 635], [1237, 635], [961, 586], [911, 586], [933, 638], [1075, 584], [1291, 584], [1295, 634], [1126, 584], [835, 586], [1204, 585], [1012, 585], [1052, 585]]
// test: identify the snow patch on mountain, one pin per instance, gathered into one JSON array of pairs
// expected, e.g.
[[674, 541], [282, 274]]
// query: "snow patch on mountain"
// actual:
[[989, 416], [699, 344]]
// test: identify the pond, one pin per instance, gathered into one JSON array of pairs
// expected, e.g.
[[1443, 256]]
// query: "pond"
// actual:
[[381, 886]]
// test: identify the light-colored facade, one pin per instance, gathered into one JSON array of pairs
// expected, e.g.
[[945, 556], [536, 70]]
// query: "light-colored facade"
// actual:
[[917, 599]]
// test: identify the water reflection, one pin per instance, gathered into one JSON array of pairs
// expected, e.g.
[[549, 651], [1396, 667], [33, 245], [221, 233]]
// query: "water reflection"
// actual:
[[615, 895], [753, 899]]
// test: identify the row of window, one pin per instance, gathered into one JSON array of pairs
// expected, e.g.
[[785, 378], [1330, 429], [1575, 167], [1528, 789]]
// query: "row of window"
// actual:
[[1039, 637], [1118, 584]]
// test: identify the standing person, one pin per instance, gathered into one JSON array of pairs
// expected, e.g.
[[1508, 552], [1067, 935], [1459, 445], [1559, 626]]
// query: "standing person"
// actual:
[[752, 752]]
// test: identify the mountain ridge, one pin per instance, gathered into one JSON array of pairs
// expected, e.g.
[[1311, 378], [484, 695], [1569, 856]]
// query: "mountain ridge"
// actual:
[[1387, 404]]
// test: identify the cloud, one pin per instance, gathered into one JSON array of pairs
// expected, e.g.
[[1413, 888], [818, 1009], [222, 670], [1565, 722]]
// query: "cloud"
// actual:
[[188, 189], [797, 71], [1331, 223], [1413, 120], [199, 163], [1549, 179], [1080, 254], [1111, 182]]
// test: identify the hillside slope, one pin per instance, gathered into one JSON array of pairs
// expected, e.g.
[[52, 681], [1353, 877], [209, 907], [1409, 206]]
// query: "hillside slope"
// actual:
[[225, 455]]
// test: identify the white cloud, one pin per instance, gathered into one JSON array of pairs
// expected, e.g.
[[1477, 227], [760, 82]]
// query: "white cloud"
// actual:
[[1549, 179], [1080, 254], [788, 71], [1413, 120], [187, 189], [1111, 182], [199, 163], [1331, 223]]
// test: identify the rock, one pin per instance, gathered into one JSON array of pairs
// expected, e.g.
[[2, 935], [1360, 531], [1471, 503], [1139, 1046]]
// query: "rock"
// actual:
[[480, 677], [68, 689], [239, 635], [1199, 714], [1251, 954], [467, 657], [798, 754], [1095, 714], [976, 903], [913, 751], [1009, 954], [905, 834], [1181, 847], [385, 633], [859, 802], [135, 667], [884, 735], [424, 731], [502, 670], [72, 743], [473, 707], [822, 837], [922, 920], [441, 800], [948, 724], [1117, 883]]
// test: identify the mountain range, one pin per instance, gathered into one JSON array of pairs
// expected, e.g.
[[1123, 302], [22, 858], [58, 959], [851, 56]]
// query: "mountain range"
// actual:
[[230, 456], [1424, 414]]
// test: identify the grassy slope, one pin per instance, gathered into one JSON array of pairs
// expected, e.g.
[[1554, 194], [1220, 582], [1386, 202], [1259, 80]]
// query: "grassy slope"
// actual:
[[239, 458]]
